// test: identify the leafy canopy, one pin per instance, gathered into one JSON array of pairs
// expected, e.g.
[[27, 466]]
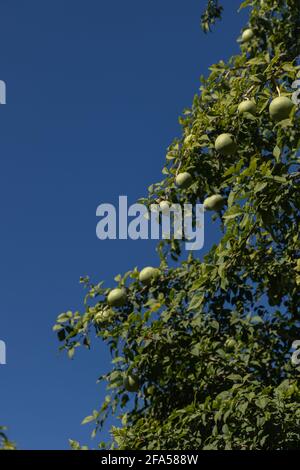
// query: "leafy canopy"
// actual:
[[210, 341]]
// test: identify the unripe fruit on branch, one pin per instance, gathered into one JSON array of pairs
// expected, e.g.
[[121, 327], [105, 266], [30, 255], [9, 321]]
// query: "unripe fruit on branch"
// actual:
[[247, 106], [184, 180], [225, 144], [148, 274], [280, 108], [117, 297], [131, 383], [164, 207], [247, 35], [214, 203]]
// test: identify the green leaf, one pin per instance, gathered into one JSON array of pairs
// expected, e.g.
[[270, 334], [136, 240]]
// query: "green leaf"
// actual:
[[277, 152], [260, 187], [88, 419], [196, 301]]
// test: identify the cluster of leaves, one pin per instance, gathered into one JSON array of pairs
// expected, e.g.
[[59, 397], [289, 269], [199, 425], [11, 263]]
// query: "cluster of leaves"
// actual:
[[210, 340], [212, 13], [245, 417], [5, 444]]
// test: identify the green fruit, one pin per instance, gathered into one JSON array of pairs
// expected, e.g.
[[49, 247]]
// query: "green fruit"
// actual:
[[214, 203], [247, 106], [280, 108], [164, 207], [117, 297], [230, 344], [247, 35], [225, 144], [131, 383], [148, 274], [184, 180]]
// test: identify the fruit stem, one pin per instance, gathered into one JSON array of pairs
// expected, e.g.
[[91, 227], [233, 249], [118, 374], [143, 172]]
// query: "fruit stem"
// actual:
[[246, 95], [178, 168], [276, 86]]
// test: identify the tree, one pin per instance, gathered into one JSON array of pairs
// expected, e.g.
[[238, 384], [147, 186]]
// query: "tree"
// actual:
[[209, 342]]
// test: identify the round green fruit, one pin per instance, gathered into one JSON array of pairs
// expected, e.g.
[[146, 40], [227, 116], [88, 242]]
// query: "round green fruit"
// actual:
[[280, 108], [247, 106], [164, 207], [148, 274], [131, 383], [214, 203], [225, 144], [184, 180], [117, 297], [247, 35]]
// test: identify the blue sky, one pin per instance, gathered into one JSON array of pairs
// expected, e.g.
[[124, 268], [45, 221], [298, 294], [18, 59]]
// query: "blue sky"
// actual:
[[94, 91]]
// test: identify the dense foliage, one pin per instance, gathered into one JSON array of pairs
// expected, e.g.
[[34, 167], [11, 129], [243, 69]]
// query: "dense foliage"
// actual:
[[201, 354]]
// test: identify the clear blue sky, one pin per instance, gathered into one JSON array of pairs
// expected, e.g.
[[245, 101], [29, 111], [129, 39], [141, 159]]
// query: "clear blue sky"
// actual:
[[94, 91]]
